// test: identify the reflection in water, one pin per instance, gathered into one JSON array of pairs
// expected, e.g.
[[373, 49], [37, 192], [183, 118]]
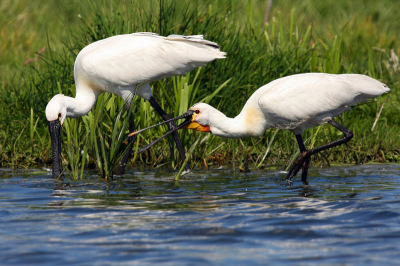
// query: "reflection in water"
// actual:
[[347, 215]]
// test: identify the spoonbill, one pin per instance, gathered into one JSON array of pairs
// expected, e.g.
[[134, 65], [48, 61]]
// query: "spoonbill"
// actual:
[[125, 65], [296, 103]]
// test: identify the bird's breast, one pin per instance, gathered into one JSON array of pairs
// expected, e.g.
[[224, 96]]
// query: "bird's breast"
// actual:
[[254, 121]]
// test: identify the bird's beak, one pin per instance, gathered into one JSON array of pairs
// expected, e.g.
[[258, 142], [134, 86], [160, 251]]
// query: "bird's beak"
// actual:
[[196, 126], [188, 120], [55, 135]]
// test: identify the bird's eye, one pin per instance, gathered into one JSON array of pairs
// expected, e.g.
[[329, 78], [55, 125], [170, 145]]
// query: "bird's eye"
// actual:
[[59, 114], [197, 111]]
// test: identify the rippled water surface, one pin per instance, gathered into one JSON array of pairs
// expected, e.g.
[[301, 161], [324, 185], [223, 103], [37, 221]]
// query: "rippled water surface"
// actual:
[[348, 215]]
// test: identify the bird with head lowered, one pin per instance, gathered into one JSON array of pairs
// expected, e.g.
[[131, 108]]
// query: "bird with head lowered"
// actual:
[[125, 65], [295, 103]]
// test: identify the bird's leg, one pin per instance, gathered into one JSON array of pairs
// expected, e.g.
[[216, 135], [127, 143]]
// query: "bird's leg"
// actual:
[[304, 165], [131, 139], [304, 159], [171, 125]]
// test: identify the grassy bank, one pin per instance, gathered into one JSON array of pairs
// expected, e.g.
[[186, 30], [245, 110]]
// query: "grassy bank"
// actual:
[[334, 37]]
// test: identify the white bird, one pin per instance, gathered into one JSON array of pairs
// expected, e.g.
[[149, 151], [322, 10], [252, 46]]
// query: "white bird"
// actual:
[[125, 65], [296, 103]]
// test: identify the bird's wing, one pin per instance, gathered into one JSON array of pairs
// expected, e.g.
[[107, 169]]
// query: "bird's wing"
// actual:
[[314, 98], [192, 39], [131, 59], [177, 37]]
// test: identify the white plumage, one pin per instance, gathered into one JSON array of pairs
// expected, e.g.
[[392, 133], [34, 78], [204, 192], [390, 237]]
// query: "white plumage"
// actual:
[[125, 65], [120, 63], [295, 103]]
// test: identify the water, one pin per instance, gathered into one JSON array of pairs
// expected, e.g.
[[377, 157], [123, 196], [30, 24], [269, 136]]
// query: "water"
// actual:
[[348, 215]]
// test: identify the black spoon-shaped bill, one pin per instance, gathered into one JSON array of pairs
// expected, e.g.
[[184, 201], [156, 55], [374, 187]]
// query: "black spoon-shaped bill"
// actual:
[[185, 115], [182, 125], [55, 135], [188, 119]]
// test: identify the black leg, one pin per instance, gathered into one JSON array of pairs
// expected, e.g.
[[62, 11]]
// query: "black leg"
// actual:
[[300, 142], [306, 164], [304, 171], [171, 125], [131, 139], [304, 159]]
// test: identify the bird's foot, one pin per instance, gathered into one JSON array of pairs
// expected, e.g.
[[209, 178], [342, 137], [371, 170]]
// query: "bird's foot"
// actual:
[[298, 164]]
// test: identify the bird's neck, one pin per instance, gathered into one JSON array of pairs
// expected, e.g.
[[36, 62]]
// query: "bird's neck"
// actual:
[[228, 128], [249, 123], [82, 103]]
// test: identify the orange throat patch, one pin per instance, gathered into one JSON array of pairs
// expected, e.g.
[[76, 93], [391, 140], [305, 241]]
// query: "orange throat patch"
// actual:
[[196, 126]]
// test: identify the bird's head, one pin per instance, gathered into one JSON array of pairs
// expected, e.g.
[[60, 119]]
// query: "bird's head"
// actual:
[[200, 117], [56, 109]]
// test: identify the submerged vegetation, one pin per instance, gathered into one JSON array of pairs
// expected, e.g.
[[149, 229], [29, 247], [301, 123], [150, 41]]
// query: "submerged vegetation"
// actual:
[[307, 36]]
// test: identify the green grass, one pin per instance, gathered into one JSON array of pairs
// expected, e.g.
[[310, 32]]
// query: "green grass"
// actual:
[[316, 36]]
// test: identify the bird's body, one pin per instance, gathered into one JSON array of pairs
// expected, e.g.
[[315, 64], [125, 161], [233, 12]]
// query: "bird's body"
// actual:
[[125, 65], [295, 103]]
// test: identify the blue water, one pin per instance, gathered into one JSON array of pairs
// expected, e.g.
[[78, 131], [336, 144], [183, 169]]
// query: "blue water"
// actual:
[[348, 215]]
